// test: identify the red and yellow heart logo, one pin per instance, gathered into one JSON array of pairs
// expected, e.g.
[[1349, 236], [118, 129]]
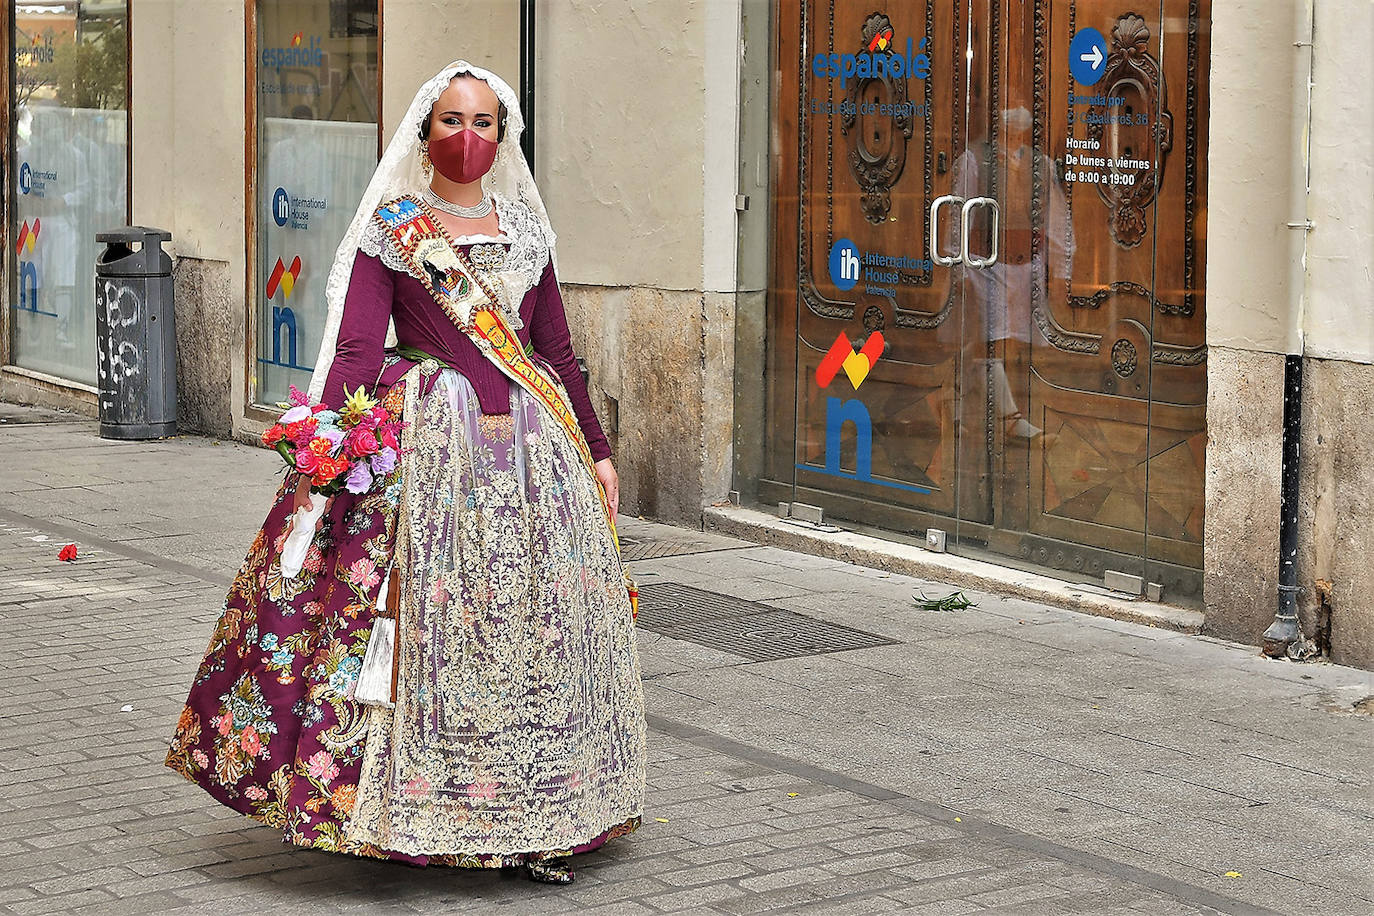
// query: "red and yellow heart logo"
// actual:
[[855, 365], [296, 39], [28, 237], [880, 42], [284, 278]]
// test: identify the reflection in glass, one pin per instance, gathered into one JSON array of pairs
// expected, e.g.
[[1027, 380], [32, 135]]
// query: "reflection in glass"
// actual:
[[70, 174], [317, 147]]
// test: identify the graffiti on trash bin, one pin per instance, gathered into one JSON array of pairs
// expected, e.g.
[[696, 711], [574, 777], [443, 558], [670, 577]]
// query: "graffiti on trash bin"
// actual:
[[119, 358]]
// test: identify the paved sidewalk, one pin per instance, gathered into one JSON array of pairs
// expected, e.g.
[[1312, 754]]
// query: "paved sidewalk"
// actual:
[[1007, 758]]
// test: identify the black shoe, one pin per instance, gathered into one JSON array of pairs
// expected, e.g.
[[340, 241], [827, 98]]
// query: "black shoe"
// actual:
[[553, 870]]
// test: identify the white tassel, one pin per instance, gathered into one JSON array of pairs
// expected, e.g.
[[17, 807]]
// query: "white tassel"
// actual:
[[373, 686]]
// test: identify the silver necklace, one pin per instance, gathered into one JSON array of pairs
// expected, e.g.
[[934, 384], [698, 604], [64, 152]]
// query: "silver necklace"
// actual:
[[476, 211]]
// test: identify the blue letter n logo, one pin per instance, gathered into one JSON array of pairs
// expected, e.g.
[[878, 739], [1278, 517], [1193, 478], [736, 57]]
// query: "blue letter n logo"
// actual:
[[837, 413]]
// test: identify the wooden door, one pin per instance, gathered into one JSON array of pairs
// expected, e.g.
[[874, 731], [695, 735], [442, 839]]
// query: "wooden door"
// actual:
[[861, 160], [1111, 361], [1050, 408]]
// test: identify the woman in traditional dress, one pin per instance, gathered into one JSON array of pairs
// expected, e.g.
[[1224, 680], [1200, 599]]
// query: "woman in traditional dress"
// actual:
[[515, 733]]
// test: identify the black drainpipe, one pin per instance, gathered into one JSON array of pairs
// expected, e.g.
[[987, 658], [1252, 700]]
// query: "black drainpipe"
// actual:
[[1284, 630], [527, 79]]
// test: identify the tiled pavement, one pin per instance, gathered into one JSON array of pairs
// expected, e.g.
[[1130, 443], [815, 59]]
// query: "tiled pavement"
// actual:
[[1008, 758]]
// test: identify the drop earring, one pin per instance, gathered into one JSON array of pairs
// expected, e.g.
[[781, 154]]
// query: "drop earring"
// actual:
[[425, 165]]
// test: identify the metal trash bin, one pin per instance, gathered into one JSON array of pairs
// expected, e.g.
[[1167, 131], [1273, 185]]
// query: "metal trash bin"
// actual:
[[135, 335]]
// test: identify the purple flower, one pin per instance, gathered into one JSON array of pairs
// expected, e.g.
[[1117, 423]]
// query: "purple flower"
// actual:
[[384, 461], [299, 412], [359, 479]]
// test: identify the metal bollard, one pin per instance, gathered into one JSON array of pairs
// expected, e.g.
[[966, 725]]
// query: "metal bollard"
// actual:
[[135, 335]]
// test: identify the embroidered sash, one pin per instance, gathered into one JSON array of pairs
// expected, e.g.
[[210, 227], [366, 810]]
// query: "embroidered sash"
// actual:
[[468, 300]]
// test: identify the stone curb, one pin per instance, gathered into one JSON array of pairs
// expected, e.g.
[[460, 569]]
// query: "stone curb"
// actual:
[[863, 550]]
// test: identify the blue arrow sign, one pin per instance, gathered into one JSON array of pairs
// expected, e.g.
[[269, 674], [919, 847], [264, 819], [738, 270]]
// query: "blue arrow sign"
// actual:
[[1088, 56]]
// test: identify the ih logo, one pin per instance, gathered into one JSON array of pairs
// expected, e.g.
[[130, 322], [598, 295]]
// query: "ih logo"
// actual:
[[284, 278], [855, 365], [28, 237], [844, 264]]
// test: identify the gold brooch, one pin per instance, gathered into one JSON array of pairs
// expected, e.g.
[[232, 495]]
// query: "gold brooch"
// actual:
[[488, 255]]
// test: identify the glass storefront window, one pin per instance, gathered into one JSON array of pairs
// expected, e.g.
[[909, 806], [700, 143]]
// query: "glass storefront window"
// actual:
[[983, 309], [317, 115], [69, 92]]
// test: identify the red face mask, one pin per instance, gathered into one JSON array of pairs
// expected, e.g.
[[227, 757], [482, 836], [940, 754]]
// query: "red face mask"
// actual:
[[463, 157]]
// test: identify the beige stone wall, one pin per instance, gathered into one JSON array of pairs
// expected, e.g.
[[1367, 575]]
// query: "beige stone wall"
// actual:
[[1337, 509], [620, 133], [187, 130], [1273, 290], [1339, 316], [1254, 174], [419, 37], [1259, 291]]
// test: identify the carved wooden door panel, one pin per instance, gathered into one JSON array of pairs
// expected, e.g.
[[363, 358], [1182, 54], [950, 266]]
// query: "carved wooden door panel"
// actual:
[[1111, 366], [1049, 406], [860, 159]]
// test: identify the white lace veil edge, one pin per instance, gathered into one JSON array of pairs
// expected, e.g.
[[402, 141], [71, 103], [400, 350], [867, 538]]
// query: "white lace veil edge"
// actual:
[[399, 173]]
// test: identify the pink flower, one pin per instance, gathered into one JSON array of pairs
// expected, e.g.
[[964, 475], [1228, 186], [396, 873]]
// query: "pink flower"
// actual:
[[388, 437], [314, 560], [321, 766], [363, 573], [250, 742], [314, 608], [440, 594], [361, 442], [307, 461], [297, 397], [486, 789], [224, 724], [200, 758], [255, 793], [417, 787]]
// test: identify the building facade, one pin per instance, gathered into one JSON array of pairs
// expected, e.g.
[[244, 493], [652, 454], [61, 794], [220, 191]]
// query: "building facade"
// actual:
[[1023, 272]]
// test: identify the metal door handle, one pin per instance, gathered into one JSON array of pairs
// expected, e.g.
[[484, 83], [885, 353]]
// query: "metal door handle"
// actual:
[[965, 218], [935, 206]]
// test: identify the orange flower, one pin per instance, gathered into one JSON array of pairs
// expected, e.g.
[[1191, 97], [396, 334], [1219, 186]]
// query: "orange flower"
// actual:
[[343, 798], [328, 469]]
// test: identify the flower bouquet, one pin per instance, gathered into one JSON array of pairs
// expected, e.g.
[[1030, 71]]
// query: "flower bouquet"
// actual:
[[351, 449]]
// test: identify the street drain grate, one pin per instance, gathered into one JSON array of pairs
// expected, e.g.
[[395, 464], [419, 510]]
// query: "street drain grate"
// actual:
[[744, 628], [632, 548]]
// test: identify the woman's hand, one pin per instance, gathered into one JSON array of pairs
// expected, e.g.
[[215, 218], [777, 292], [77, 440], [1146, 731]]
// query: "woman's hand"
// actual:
[[610, 480], [302, 501]]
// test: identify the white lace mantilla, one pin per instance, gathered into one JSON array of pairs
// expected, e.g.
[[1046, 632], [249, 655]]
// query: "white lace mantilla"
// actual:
[[524, 264]]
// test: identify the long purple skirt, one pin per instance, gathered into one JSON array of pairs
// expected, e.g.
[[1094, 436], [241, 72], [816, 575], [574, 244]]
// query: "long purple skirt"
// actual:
[[518, 726]]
